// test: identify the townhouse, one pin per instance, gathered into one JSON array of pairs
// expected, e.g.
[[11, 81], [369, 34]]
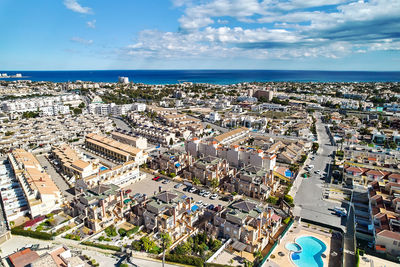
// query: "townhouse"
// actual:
[[114, 150], [98, 206], [172, 161], [250, 225], [168, 212], [41, 193], [138, 142], [207, 169]]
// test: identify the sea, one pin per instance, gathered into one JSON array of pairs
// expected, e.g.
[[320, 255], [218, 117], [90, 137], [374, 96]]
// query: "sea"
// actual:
[[207, 76]]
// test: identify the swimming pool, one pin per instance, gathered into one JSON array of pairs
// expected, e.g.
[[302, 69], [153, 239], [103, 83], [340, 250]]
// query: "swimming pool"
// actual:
[[102, 168], [310, 255], [293, 247]]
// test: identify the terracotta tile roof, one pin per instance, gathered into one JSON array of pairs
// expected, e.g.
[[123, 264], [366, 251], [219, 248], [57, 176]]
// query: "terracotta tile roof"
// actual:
[[23, 258]]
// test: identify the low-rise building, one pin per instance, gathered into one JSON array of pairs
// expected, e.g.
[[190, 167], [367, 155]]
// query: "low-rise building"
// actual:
[[249, 224], [114, 150], [138, 142], [172, 161], [42, 194]]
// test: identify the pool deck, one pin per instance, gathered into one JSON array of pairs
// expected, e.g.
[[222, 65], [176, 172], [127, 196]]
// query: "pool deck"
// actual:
[[302, 229]]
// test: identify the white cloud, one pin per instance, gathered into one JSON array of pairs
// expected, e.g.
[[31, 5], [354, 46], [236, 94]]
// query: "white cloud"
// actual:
[[275, 29], [76, 7], [81, 41], [91, 24]]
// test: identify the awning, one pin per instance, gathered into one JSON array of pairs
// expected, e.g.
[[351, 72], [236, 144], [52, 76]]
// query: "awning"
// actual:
[[239, 246], [194, 208]]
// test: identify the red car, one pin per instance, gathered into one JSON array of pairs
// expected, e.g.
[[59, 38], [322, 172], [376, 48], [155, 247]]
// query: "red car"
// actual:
[[128, 191], [156, 178]]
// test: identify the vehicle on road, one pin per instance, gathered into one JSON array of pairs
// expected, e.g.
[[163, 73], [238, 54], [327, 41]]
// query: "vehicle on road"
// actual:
[[213, 196], [156, 178]]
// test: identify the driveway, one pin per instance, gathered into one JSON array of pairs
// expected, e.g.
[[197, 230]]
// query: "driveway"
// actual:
[[58, 180]]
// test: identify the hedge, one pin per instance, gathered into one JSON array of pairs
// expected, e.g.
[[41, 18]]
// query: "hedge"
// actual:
[[185, 259], [30, 233], [102, 246]]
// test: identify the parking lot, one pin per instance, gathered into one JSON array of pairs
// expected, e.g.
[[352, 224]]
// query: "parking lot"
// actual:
[[150, 188]]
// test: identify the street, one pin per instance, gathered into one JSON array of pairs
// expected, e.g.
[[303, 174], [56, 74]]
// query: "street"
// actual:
[[309, 197]]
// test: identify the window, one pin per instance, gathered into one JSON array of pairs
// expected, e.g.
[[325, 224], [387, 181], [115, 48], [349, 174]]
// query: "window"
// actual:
[[395, 243]]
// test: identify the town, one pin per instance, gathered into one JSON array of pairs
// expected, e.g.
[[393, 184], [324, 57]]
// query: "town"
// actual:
[[248, 174]]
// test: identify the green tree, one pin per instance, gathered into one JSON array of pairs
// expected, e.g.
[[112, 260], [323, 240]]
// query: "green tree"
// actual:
[[166, 239], [288, 199], [214, 183], [196, 181], [171, 141], [147, 244]]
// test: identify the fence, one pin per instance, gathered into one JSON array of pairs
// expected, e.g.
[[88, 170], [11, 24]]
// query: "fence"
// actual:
[[219, 251], [276, 243]]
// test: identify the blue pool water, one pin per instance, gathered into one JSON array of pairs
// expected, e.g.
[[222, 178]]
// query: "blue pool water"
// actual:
[[102, 168], [310, 256], [293, 247]]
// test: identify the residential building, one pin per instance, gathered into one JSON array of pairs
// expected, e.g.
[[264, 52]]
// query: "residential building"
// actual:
[[172, 161], [232, 136], [249, 224], [207, 169], [169, 212], [42, 194], [138, 142], [98, 206], [114, 150]]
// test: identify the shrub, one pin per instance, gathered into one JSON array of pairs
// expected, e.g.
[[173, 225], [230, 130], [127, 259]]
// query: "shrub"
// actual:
[[124, 265], [185, 259], [172, 175], [273, 200], [122, 232], [234, 193], [288, 199], [111, 231], [102, 246], [30, 233], [101, 238]]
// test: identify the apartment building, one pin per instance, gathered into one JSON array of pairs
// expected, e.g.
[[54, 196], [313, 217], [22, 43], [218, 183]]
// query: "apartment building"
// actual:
[[72, 164], [232, 136], [121, 175], [42, 194], [114, 150], [33, 104], [169, 212], [249, 224], [237, 156], [207, 169], [138, 142], [98, 206], [172, 161], [252, 181], [384, 202]]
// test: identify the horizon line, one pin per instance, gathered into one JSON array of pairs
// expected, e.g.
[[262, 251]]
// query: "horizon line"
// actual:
[[205, 69]]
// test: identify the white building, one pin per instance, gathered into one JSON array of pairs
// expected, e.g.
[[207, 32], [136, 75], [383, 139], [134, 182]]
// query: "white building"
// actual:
[[139, 107], [214, 116], [124, 80]]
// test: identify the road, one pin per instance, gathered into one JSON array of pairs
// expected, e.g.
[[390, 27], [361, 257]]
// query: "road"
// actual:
[[58, 180], [309, 197], [121, 124]]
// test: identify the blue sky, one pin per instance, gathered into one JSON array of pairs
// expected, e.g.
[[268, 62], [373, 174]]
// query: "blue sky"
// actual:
[[203, 34]]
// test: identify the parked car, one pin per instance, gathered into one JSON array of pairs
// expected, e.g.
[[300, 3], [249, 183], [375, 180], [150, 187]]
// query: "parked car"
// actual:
[[128, 191], [192, 190], [202, 191], [178, 185], [211, 207], [213, 196], [156, 178], [206, 194], [166, 181], [199, 203]]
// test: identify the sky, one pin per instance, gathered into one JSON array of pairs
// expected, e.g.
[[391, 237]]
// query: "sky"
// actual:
[[203, 34]]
